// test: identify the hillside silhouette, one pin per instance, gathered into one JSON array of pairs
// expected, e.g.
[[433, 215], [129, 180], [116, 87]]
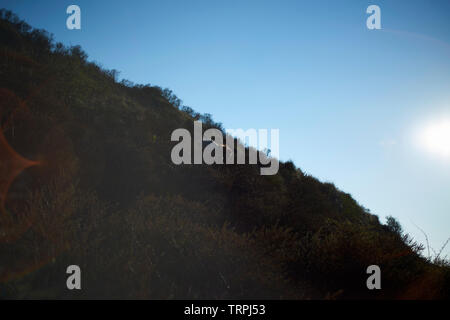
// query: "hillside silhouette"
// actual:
[[102, 192]]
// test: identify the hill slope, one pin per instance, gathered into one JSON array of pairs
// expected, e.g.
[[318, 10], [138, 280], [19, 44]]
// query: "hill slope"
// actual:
[[106, 196]]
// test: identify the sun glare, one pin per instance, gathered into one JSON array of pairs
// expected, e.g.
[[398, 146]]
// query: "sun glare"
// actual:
[[435, 137]]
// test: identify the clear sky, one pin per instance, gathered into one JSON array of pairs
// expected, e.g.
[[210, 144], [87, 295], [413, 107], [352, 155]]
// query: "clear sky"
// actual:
[[368, 110]]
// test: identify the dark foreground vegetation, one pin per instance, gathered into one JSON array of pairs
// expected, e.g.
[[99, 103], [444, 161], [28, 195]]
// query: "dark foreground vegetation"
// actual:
[[106, 196]]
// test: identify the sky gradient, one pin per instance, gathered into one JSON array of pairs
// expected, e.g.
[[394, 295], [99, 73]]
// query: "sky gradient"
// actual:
[[349, 102]]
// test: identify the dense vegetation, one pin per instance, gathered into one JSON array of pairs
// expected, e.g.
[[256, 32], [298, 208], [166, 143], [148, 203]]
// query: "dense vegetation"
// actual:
[[106, 196]]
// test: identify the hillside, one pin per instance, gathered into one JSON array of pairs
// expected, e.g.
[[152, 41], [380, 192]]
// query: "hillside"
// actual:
[[103, 193]]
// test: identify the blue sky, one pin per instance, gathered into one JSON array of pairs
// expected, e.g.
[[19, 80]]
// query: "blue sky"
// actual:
[[349, 102]]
